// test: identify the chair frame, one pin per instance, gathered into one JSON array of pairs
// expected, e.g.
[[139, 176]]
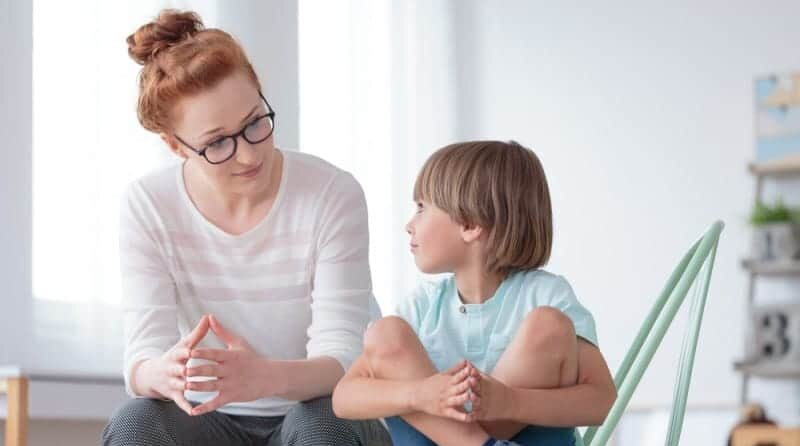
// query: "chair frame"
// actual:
[[694, 270]]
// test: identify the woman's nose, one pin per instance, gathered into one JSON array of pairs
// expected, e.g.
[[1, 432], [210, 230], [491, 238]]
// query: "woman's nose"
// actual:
[[246, 153]]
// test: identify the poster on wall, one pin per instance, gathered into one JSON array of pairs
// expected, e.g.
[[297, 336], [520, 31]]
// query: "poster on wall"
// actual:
[[778, 118]]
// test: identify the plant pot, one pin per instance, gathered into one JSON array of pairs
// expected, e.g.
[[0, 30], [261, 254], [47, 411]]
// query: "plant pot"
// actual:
[[775, 241]]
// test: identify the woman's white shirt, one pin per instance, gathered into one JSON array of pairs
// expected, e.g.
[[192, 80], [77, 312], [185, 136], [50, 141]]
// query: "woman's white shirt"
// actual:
[[295, 286]]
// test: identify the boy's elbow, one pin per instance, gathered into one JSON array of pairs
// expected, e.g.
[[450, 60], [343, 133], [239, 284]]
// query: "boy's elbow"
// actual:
[[605, 405]]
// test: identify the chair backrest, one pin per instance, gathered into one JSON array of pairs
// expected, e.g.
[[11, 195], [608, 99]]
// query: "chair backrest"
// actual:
[[693, 271]]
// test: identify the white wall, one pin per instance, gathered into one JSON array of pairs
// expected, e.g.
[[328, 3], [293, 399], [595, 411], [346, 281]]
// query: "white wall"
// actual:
[[15, 174], [643, 117], [268, 32]]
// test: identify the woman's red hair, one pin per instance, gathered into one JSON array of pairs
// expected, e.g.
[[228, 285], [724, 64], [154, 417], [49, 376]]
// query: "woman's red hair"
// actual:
[[180, 58]]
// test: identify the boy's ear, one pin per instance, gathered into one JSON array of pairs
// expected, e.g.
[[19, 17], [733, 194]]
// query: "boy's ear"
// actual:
[[471, 233], [172, 143]]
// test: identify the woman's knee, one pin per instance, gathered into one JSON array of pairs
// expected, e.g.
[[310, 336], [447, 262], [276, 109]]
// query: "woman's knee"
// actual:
[[139, 421], [388, 337], [313, 422]]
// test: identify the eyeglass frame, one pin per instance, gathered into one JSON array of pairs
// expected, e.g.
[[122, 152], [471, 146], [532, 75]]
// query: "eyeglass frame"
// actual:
[[202, 152]]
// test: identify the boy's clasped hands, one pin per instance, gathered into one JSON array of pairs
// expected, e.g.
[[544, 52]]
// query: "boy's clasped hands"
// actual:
[[463, 393]]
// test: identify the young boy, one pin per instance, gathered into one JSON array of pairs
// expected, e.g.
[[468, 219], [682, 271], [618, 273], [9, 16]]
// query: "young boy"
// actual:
[[499, 348]]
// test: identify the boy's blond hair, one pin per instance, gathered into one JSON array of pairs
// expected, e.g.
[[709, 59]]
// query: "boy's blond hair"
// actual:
[[499, 186]]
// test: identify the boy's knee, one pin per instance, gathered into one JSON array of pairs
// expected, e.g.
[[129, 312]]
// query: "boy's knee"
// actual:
[[389, 336], [548, 328]]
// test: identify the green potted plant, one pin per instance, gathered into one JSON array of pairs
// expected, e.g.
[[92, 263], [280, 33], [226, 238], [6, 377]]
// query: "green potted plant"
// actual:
[[775, 236]]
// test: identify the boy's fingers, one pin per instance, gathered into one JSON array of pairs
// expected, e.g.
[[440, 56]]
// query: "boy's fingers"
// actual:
[[459, 376], [459, 388], [458, 400], [475, 386]]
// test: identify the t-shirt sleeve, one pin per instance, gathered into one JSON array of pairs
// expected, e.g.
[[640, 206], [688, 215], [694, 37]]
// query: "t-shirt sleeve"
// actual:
[[409, 307], [563, 297]]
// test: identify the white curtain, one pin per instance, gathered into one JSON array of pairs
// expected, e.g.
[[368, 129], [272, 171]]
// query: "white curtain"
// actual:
[[377, 96]]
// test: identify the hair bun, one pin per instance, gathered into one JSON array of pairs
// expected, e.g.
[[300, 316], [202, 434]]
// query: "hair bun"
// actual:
[[169, 28]]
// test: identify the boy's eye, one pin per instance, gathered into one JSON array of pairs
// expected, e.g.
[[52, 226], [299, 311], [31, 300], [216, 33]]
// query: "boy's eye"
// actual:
[[419, 206]]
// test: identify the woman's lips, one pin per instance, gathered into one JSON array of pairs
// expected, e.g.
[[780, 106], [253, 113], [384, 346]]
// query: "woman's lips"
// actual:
[[250, 173]]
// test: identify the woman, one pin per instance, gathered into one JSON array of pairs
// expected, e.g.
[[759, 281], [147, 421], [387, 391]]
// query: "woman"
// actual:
[[246, 286]]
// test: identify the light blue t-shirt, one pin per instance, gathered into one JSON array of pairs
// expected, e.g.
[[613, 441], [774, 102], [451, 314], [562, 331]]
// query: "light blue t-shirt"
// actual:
[[451, 330]]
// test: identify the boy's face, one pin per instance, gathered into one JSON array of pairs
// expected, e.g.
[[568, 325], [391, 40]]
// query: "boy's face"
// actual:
[[436, 240]]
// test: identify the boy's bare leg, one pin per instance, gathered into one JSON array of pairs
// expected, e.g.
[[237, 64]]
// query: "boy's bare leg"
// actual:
[[542, 355], [394, 352]]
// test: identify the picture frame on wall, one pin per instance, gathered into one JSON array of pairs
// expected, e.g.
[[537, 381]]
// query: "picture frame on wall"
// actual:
[[777, 126]]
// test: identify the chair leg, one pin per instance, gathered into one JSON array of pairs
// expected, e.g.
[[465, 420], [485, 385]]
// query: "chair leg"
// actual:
[[17, 417]]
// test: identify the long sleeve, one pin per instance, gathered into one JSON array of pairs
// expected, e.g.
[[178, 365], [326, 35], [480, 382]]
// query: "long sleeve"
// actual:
[[342, 287], [148, 292]]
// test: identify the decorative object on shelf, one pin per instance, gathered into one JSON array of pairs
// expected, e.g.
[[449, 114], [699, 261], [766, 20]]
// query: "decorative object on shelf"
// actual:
[[777, 141], [775, 232], [750, 415], [787, 165], [773, 340], [765, 435]]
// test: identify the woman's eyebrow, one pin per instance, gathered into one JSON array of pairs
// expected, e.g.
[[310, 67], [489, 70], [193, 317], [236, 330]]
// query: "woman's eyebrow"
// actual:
[[249, 114], [216, 129]]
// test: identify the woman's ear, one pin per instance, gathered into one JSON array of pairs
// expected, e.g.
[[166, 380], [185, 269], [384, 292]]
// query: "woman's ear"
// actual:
[[471, 233], [172, 143]]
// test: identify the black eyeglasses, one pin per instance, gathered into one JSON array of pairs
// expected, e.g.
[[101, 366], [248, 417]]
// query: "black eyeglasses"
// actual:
[[223, 148]]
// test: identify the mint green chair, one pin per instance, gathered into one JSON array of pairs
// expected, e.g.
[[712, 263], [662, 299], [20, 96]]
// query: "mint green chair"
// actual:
[[694, 270]]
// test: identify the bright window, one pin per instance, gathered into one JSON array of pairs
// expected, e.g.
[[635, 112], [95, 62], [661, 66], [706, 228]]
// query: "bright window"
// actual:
[[87, 144]]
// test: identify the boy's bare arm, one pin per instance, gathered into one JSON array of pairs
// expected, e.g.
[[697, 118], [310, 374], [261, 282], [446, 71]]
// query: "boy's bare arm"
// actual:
[[585, 404], [360, 396]]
